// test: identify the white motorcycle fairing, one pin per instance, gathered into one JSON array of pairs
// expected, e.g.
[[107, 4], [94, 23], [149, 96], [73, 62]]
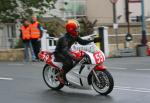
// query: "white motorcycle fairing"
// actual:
[[78, 76]]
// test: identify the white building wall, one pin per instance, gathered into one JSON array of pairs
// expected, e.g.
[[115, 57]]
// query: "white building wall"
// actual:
[[147, 8], [100, 10], [61, 9], [135, 9], [120, 8]]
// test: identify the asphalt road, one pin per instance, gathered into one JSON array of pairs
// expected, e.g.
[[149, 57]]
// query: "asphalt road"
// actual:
[[23, 83]]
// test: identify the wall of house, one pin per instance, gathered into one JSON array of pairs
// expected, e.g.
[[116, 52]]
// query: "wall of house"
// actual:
[[7, 35], [100, 10]]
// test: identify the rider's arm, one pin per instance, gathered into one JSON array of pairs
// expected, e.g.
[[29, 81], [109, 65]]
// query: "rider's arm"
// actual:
[[83, 42], [67, 53]]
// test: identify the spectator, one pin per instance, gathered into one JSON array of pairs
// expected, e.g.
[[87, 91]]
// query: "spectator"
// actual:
[[26, 38], [36, 34]]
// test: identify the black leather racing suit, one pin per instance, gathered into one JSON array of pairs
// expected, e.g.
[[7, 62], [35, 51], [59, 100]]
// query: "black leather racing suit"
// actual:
[[62, 51]]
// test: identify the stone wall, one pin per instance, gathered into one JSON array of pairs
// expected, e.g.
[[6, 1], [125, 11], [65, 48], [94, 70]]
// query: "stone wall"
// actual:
[[12, 55]]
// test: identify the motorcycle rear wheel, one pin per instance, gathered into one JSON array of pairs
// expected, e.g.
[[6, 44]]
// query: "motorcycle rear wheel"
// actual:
[[50, 77], [106, 82]]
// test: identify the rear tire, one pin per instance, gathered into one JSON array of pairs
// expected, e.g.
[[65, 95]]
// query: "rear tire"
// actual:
[[49, 76], [106, 82]]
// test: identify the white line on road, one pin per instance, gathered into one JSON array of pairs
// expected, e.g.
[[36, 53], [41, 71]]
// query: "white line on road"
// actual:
[[118, 68], [144, 69], [142, 90], [16, 64], [3, 78]]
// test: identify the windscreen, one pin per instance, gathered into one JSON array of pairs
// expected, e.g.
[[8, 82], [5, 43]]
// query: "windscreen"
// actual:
[[91, 47]]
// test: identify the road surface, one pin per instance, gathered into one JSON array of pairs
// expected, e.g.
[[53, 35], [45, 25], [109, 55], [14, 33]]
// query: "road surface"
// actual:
[[23, 83]]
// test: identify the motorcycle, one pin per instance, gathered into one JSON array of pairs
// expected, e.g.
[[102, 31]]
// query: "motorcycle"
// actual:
[[88, 73]]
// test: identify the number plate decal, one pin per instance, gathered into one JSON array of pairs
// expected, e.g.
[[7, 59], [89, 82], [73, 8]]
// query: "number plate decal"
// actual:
[[98, 57]]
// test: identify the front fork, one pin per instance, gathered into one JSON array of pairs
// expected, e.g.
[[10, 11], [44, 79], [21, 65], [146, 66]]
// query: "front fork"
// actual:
[[98, 67], [96, 76]]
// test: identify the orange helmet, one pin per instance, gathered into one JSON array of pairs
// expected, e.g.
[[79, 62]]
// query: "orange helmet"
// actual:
[[73, 27]]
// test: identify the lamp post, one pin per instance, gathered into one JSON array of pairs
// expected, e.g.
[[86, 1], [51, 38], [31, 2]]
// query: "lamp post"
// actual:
[[142, 48], [115, 25], [144, 38]]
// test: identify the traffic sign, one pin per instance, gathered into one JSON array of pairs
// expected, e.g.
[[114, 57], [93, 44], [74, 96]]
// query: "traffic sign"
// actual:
[[128, 37]]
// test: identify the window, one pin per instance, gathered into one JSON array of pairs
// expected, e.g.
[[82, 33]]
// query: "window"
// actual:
[[50, 42], [74, 8]]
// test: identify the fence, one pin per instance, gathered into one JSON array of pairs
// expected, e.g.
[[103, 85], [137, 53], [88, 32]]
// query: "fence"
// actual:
[[7, 36]]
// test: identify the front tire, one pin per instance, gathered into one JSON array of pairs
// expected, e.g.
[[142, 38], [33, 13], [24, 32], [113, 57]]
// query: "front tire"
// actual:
[[106, 82], [50, 77]]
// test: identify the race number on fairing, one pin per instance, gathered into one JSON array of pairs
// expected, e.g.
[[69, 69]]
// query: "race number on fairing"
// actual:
[[98, 57]]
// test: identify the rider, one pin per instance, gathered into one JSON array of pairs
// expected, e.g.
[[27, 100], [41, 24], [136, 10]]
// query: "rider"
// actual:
[[62, 51]]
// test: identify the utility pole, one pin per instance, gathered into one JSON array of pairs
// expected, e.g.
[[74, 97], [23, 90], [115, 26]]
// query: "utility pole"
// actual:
[[127, 15], [128, 36], [115, 25]]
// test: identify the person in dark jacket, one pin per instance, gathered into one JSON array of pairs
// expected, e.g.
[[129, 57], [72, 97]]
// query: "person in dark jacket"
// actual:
[[62, 51]]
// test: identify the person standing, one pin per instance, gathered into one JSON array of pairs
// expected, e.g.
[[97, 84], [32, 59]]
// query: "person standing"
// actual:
[[36, 34], [26, 38]]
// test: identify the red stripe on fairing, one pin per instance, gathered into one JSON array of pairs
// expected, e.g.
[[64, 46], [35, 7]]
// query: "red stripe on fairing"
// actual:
[[53, 65], [49, 62], [47, 57], [100, 67]]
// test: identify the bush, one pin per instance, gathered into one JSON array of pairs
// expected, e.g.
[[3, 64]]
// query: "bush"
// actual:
[[54, 26]]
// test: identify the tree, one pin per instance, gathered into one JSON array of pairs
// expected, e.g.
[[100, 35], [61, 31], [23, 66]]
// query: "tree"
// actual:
[[55, 26], [87, 26], [10, 10]]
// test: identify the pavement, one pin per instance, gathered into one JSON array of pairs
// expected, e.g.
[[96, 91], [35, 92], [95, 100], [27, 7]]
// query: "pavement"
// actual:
[[23, 83]]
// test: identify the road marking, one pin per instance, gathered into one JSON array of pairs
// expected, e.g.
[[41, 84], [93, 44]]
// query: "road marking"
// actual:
[[142, 90], [2, 78], [143, 69], [118, 68], [15, 64]]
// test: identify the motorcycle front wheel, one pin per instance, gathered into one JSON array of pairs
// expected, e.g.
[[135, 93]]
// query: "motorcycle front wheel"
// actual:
[[50, 77], [105, 84]]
